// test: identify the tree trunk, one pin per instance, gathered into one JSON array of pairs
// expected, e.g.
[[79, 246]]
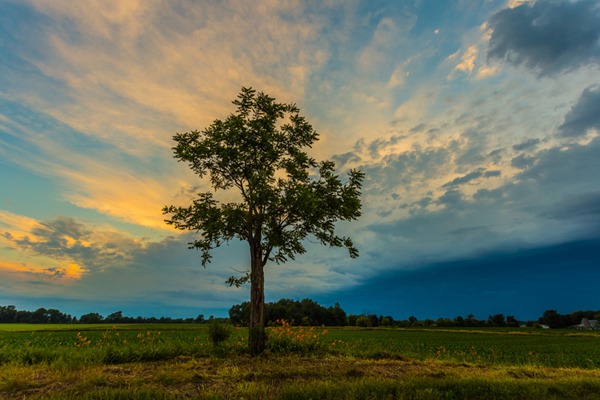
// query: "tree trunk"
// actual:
[[256, 335]]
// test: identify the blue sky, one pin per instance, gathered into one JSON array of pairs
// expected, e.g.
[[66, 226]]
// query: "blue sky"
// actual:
[[476, 122]]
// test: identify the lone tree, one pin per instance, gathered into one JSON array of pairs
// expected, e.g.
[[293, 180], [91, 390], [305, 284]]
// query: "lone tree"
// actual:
[[284, 194]]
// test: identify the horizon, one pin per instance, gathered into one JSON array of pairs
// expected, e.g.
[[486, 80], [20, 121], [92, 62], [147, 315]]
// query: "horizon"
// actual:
[[481, 151]]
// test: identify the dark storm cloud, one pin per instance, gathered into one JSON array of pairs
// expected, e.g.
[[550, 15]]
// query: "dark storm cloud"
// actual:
[[550, 37], [486, 284], [584, 115], [554, 198], [559, 168], [585, 206]]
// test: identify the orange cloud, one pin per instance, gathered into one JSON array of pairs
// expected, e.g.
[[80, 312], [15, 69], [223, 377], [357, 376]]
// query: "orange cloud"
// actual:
[[62, 248]]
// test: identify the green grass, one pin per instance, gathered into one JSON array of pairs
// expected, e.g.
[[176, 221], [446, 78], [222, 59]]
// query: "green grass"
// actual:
[[94, 327], [180, 361], [567, 349]]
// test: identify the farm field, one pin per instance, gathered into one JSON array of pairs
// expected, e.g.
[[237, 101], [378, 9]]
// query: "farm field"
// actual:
[[180, 361]]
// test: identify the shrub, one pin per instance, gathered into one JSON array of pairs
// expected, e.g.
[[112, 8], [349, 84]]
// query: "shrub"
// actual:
[[218, 332]]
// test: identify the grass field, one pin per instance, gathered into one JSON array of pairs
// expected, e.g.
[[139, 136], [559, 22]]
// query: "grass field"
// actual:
[[179, 361]]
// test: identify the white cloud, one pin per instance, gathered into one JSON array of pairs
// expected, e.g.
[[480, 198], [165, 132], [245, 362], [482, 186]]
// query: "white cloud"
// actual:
[[397, 78]]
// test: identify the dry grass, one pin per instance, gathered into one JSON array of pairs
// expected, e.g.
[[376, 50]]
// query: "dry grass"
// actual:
[[286, 377]]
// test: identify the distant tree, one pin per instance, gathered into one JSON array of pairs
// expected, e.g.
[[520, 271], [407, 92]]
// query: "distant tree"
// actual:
[[338, 316], [114, 318], [363, 321], [90, 318], [8, 313], [352, 320], [412, 319], [496, 320], [240, 314], [373, 320], [472, 321], [56, 317], [552, 319], [511, 321], [284, 194], [446, 322], [200, 318]]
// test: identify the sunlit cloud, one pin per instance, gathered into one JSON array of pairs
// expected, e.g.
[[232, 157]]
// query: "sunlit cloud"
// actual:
[[70, 247], [467, 61], [192, 42]]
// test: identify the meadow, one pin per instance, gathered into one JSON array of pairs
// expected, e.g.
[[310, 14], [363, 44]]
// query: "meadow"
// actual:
[[182, 362]]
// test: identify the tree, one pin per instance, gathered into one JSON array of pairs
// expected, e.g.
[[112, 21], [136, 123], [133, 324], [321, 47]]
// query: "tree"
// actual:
[[284, 194], [496, 320], [352, 319], [114, 318], [552, 318], [511, 321], [240, 314], [338, 315], [91, 318], [8, 313]]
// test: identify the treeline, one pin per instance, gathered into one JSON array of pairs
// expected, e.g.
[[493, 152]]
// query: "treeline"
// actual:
[[305, 312], [10, 314], [308, 312]]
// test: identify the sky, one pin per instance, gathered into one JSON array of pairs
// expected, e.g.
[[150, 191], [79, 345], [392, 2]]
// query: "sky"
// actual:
[[476, 122]]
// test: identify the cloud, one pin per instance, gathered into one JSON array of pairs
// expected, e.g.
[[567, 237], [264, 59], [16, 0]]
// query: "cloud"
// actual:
[[16, 225], [492, 174], [528, 144], [397, 78], [549, 37], [387, 34], [584, 206], [98, 175], [467, 62], [584, 115], [110, 267], [470, 64], [473, 175], [70, 243], [544, 198]]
